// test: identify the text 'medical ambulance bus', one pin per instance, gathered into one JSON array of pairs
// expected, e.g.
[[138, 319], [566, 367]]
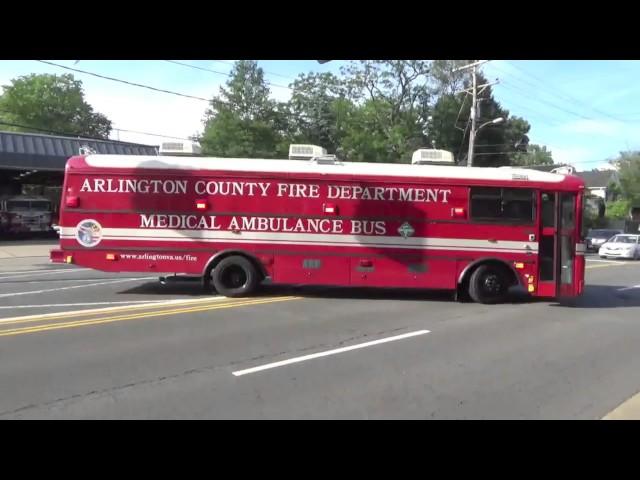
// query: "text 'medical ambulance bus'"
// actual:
[[315, 220]]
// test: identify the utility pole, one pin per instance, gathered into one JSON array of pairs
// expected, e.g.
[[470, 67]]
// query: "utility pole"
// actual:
[[474, 99], [474, 106]]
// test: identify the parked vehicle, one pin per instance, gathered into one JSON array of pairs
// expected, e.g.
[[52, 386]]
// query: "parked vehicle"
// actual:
[[621, 246], [25, 214], [597, 237]]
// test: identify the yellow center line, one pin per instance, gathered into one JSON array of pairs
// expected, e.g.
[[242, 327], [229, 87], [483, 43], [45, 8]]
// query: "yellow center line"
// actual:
[[98, 311], [119, 318], [127, 311]]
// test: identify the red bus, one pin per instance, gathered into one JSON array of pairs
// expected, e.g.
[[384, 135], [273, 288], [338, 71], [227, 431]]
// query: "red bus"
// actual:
[[237, 222]]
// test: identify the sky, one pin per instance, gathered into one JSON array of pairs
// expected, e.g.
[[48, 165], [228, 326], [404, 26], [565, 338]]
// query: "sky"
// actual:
[[585, 112]]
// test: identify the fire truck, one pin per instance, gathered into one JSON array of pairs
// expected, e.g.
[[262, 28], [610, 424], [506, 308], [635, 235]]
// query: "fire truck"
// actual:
[[25, 214], [312, 219]]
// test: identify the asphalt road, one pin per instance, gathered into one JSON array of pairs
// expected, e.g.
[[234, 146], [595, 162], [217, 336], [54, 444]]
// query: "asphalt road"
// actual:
[[77, 343]]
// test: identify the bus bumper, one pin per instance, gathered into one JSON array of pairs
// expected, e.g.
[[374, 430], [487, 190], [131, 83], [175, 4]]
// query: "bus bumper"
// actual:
[[59, 256]]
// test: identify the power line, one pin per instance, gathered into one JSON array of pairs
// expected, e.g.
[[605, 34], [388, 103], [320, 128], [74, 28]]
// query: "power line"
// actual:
[[562, 94], [536, 114], [564, 97], [587, 162], [221, 73], [160, 90], [507, 153], [464, 135], [126, 82], [519, 89], [54, 132], [151, 134], [265, 71], [553, 105], [74, 134], [460, 111]]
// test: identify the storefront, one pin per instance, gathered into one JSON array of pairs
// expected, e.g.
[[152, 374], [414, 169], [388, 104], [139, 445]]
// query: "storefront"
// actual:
[[33, 164]]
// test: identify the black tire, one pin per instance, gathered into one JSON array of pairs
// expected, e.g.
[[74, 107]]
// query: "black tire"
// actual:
[[489, 284], [235, 276]]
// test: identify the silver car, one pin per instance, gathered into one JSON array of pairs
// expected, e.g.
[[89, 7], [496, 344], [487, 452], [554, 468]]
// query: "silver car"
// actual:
[[598, 237], [621, 246]]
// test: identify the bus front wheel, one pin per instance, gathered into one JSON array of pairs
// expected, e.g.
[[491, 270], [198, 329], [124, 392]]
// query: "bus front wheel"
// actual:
[[235, 276], [488, 284]]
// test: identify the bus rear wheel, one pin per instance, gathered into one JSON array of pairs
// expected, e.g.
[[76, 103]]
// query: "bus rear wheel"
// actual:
[[488, 284], [235, 276]]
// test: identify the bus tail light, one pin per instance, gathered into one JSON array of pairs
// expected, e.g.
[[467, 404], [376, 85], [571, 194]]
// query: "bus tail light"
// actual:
[[458, 212], [331, 208], [72, 202]]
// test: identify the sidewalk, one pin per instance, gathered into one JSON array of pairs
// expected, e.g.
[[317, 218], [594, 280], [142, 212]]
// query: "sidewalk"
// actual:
[[27, 248]]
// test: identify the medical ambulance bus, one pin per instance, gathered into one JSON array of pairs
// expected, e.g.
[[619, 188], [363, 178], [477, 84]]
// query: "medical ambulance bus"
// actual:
[[314, 220]]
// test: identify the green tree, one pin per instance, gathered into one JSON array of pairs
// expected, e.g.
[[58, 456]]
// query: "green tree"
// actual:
[[613, 191], [446, 78], [392, 100], [243, 120], [56, 103], [368, 139], [374, 111], [618, 210], [447, 128], [535, 155], [318, 108], [628, 165]]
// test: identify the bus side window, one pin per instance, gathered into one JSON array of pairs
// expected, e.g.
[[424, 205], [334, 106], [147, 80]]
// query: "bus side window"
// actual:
[[486, 203], [548, 210], [568, 211], [518, 205], [510, 205]]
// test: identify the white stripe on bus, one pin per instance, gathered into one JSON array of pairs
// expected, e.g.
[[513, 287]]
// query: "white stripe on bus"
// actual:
[[311, 239]]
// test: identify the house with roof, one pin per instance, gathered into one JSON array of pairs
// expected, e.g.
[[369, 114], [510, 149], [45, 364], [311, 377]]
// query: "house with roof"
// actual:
[[598, 183]]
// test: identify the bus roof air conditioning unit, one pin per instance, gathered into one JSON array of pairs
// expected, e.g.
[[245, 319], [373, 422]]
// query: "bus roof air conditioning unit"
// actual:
[[305, 152], [426, 156], [180, 148]]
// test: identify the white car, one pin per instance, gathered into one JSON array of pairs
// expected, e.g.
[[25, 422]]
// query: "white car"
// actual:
[[621, 246]]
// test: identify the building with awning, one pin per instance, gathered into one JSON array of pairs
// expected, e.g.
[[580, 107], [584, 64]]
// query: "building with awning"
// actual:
[[35, 162]]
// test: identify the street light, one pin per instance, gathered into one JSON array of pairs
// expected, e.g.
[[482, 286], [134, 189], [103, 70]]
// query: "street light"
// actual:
[[472, 136], [495, 121]]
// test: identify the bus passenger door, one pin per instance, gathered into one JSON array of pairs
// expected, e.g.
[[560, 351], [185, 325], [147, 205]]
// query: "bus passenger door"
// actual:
[[547, 271], [566, 244], [556, 248]]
